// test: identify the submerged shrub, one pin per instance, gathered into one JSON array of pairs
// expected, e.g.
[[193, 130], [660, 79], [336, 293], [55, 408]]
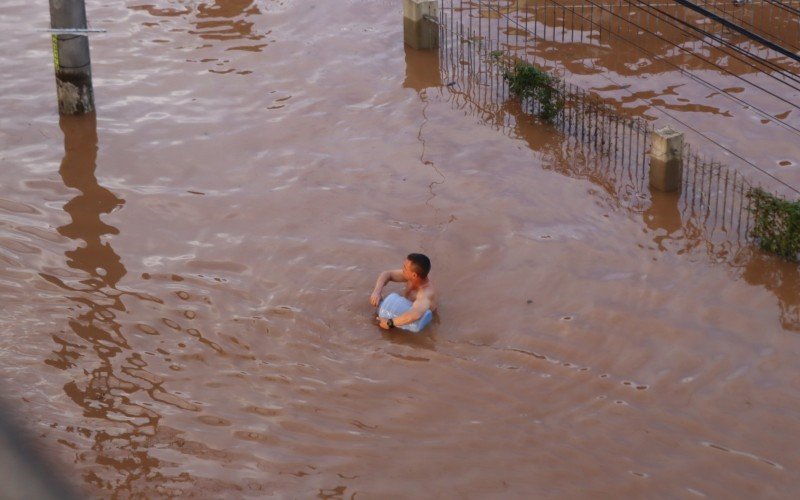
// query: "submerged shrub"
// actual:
[[526, 81], [777, 223]]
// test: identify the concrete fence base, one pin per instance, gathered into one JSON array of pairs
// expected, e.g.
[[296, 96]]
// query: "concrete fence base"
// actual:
[[419, 30], [666, 159]]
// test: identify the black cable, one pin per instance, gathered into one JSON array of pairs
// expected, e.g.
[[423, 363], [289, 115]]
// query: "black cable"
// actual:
[[689, 127], [687, 73], [787, 8], [710, 139], [742, 20], [739, 29], [722, 69], [745, 160], [698, 132], [724, 42], [769, 64]]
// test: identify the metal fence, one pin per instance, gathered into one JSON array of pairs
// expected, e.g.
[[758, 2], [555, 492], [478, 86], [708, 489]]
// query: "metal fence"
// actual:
[[756, 51], [598, 142], [766, 32]]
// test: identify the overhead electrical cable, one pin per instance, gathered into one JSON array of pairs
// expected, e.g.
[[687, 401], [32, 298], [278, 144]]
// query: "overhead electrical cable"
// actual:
[[685, 72], [766, 62], [659, 109], [736, 27], [713, 5], [787, 8]]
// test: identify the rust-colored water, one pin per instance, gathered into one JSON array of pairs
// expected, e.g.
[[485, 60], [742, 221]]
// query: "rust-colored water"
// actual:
[[185, 281]]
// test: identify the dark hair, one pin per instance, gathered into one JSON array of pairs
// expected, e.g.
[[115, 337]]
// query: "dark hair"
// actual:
[[420, 264]]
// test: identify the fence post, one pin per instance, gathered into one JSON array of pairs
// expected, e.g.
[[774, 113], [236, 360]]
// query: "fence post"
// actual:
[[666, 158], [420, 24], [71, 58]]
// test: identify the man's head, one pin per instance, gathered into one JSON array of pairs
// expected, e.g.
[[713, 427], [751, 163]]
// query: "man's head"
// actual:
[[418, 264]]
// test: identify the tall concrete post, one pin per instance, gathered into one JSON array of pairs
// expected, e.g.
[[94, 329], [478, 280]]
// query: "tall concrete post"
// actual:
[[71, 57], [666, 159], [420, 25]]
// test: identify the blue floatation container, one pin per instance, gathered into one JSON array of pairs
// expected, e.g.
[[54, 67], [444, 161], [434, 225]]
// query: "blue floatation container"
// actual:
[[394, 305]]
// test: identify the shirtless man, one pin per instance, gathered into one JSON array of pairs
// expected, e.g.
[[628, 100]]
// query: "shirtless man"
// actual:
[[419, 289]]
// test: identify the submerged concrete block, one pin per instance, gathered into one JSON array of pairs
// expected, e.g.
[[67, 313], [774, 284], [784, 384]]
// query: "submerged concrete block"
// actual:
[[666, 159], [419, 31], [416, 9], [666, 143], [665, 175]]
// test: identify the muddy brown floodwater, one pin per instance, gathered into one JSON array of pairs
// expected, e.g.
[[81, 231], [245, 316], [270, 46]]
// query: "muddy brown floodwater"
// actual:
[[184, 281]]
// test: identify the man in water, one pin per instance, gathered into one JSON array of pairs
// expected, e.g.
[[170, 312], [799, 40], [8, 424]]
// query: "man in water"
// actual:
[[419, 289]]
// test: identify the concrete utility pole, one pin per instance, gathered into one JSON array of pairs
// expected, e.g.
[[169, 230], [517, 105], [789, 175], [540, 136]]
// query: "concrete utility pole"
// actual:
[[71, 57]]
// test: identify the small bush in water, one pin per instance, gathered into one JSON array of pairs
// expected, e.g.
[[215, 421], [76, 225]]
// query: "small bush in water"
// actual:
[[526, 81], [777, 224]]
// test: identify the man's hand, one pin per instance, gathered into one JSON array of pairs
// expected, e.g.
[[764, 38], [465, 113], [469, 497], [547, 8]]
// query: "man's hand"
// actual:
[[383, 278], [383, 323]]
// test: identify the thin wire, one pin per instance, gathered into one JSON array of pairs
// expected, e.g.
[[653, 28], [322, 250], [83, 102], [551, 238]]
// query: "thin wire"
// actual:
[[744, 21], [701, 134], [710, 139], [784, 6], [765, 62], [697, 78], [723, 14], [724, 70], [738, 29]]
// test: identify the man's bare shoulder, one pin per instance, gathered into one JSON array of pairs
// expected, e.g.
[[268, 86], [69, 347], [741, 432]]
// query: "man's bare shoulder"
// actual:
[[429, 292]]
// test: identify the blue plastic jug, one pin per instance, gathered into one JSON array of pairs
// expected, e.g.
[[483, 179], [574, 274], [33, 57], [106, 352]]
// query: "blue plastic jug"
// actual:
[[394, 305]]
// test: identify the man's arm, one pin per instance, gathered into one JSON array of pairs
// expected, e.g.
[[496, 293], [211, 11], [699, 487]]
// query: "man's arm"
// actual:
[[383, 278], [419, 307]]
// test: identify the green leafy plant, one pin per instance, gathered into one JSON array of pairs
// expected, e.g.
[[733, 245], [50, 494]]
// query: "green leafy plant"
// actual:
[[526, 81], [777, 223]]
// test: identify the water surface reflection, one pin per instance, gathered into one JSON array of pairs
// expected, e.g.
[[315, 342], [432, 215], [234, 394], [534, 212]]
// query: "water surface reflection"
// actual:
[[674, 223], [781, 278], [99, 388], [229, 23], [219, 345]]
